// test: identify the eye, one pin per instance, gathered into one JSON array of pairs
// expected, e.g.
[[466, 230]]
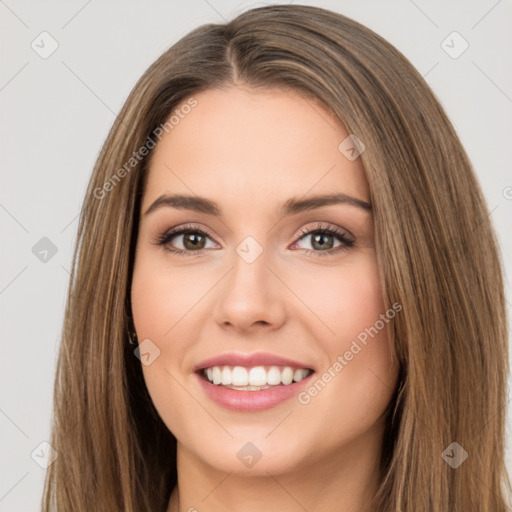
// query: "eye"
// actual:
[[194, 240], [191, 238], [322, 239]]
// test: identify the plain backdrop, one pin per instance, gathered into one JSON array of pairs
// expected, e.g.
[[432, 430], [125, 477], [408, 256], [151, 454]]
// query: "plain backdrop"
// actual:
[[57, 109]]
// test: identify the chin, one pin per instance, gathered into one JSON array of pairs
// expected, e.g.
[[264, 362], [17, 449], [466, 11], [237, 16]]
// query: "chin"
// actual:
[[248, 455]]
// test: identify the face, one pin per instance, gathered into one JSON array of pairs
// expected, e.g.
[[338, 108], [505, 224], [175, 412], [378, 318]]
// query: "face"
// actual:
[[253, 285]]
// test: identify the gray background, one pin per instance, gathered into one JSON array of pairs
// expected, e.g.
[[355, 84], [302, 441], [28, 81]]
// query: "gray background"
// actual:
[[57, 111]]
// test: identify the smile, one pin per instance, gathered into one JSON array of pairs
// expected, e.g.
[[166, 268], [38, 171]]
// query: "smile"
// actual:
[[251, 382], [256, 378]]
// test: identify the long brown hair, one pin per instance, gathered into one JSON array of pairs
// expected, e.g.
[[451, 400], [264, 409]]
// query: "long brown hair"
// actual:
[[437, 256]]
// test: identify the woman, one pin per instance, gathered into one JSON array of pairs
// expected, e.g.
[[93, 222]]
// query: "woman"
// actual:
[[210, 360]]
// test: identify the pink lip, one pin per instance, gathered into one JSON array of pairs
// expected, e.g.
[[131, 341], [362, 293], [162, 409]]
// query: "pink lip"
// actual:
[[249, 360], [251, 401]]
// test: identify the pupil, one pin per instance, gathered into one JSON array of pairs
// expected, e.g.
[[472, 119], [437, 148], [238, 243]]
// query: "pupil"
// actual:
[[194, 240], [319, 237]]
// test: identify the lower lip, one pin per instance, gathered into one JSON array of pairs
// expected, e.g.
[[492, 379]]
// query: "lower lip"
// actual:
[[250, 401]]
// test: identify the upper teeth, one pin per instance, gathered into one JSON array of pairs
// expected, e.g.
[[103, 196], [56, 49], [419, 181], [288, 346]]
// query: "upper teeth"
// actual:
[[255, 376]]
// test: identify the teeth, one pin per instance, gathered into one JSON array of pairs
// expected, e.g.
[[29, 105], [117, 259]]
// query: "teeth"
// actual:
[[217, 378], [287, 376], [255, 378], [274, 376], [299, 375], [240, 377], [226, 378]]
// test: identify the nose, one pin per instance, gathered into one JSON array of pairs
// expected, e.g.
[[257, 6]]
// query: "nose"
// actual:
[[250, 298]]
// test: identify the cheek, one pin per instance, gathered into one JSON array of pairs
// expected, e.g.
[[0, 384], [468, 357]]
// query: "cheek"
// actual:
[[360, 322], [164, 301], [156, 309], [343, 299], [162, 295], [357, 380], [359, 302]]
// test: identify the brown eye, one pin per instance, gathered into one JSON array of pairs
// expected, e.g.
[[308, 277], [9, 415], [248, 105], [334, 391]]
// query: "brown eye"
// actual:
[[193, 240], [186, 240]]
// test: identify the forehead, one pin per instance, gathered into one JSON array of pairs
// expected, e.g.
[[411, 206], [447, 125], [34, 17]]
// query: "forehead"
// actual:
[[253, 147]]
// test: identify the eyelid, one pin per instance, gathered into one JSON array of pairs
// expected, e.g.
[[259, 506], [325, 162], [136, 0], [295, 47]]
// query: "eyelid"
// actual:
[[324, 226], [179, 230]]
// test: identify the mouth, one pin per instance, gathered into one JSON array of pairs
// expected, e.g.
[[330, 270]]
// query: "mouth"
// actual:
[[249, 383], [254, 378]]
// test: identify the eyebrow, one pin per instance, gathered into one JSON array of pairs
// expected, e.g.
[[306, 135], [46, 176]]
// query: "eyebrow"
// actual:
[[290, 207]]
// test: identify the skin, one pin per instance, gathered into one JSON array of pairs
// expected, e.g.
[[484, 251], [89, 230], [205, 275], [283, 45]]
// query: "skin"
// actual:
[[250, 151]]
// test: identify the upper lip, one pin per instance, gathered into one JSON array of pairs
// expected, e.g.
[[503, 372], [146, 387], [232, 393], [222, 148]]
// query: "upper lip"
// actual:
[[249, 360]]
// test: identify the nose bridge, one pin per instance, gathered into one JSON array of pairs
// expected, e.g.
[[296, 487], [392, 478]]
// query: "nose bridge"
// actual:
[[248, 295], [249, 277]]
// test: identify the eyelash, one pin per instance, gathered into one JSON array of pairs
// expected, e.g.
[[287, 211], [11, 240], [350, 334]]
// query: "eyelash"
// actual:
[[346, 242]]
